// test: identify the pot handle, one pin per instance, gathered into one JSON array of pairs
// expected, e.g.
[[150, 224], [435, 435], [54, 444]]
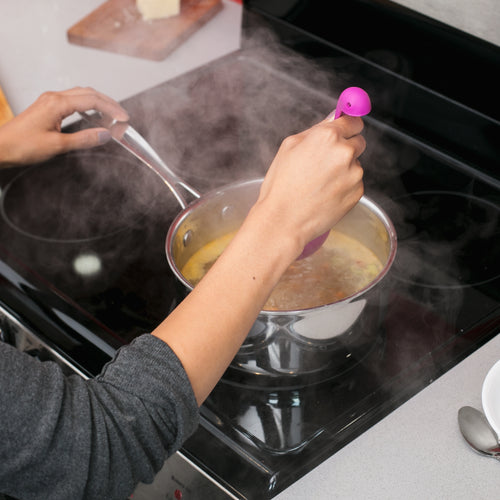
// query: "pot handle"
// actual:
[[134, 143]]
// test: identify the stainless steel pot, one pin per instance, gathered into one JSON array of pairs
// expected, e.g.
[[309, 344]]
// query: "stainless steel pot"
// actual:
[[223, 210], [288, 344]]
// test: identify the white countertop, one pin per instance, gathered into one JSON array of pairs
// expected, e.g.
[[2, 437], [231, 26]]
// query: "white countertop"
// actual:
[[416, 452], [37, 57]]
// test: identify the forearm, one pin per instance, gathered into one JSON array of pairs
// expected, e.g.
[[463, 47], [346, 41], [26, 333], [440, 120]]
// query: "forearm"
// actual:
[[208, 327], [64, 437]]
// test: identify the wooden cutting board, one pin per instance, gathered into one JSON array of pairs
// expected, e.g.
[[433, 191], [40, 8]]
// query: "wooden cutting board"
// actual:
[[117, 26], [5, 112]]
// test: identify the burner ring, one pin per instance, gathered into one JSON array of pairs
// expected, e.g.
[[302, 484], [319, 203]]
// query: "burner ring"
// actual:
[[446, 240], [79, 198]]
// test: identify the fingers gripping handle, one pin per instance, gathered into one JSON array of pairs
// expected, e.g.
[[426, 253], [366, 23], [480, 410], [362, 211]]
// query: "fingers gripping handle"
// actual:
[[353, 101]]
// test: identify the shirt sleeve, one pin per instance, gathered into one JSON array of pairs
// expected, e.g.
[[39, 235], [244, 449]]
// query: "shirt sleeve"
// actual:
[[63, 437]]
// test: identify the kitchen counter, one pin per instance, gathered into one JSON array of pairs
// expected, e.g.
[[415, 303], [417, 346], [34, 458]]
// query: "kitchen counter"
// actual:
[[37, 57], [417, 451]]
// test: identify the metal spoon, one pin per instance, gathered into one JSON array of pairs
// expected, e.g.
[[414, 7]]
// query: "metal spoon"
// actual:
[[478, 433]]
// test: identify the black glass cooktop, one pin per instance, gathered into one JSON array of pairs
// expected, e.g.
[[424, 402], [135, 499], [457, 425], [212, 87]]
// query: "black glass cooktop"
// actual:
[[83, 256]]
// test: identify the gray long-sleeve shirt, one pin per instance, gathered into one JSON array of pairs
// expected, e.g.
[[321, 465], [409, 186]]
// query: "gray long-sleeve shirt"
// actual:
[[66, 438]]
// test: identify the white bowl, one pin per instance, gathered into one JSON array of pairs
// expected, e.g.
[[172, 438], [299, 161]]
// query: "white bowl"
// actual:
[[491, 397]]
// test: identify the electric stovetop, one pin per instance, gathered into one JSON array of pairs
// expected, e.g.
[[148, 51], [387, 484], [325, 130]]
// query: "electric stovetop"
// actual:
[[82, 257]]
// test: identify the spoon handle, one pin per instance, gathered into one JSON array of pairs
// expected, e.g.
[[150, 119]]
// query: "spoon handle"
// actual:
[[353, 101], [134, 143]]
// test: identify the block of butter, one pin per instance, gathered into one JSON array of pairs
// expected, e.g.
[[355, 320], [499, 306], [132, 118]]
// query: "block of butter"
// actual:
[[158, 9]]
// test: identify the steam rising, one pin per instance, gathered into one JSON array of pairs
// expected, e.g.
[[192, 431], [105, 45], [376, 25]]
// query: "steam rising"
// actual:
[[226, 122], [76, 218], [215, 125]]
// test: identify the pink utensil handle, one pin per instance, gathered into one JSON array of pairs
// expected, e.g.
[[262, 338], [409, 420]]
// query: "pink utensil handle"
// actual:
[[353, 101]]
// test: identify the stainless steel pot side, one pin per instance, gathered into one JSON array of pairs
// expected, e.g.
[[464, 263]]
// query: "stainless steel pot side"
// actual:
[[222, 211]]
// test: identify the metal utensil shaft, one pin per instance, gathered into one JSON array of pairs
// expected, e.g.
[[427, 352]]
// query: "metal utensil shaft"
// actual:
[[133, 142]]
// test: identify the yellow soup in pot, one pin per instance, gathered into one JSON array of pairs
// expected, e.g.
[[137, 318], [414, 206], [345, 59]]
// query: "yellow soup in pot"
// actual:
[[340, 268]]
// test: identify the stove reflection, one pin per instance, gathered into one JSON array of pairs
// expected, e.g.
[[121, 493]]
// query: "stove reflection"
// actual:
[[447, 240]]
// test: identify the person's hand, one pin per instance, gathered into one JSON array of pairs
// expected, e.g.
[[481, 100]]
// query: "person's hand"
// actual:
[[315, 178], [35, 134]]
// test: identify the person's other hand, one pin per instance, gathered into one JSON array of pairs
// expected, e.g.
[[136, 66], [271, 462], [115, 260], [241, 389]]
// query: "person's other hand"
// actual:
[[315, 179], [35, 134]]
